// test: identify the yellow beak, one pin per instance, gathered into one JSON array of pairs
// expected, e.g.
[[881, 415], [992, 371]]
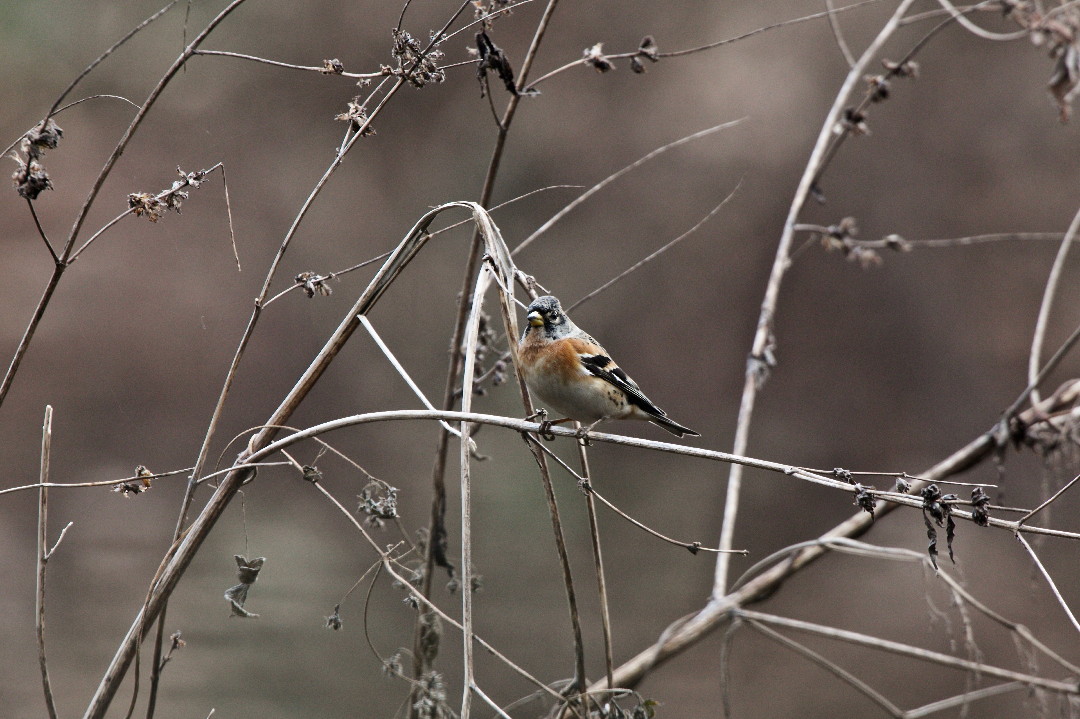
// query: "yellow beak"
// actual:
[[535, 319]]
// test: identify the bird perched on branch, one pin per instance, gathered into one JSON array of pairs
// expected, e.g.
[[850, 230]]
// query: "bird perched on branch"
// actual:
[[573, 375]]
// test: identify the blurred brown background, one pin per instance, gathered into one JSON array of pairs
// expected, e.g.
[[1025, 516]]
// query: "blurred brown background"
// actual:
[[890, 368]]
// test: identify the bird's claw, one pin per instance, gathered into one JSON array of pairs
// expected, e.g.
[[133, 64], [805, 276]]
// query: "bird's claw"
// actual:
[[545, 430], [540, 413]]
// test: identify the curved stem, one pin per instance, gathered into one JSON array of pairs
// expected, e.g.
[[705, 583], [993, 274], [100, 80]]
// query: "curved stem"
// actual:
[[1049, 291], [436, 524], [760, 353]]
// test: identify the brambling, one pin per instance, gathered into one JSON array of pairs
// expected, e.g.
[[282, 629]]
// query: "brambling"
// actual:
[[573, 375]]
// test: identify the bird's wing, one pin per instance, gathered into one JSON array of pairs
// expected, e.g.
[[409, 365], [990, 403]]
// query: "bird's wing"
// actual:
[[597, 362]]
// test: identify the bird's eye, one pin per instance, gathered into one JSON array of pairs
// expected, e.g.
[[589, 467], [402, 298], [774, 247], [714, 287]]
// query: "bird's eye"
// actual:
[[554, 316]]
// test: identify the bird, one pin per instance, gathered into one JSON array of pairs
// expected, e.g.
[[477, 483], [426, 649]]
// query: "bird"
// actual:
[[575, 376]]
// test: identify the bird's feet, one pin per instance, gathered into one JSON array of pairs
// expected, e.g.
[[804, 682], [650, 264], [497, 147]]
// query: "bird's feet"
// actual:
[[582, 433], [544, 431]]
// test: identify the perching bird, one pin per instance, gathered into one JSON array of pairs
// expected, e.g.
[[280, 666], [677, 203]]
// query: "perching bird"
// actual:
[[573, 375]]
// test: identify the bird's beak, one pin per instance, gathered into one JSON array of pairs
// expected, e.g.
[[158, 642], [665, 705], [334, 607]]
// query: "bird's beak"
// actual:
[[535, 318]]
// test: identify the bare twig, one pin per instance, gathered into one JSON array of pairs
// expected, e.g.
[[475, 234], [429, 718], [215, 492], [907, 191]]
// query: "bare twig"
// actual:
[[505, 10], [1047, 303], [391, 569], [188, 542], [760, 353], [701, 48], [465, 457], [42, 558], [1019, 629], [1045, 504], [974, 29], [41, 232], [885, 645], [688, 632], [962, 459], [480, 693], [962, 699], [321, 69], [436, 524], [1049, 580], [177, 186], [832, 667], [338, 273], [652, 256], [838, 34], [103, 483], [616, 175], [1050, 365], [598, 561], [65, 256], [855, 547], [586, 486], [846, 130], [402, 372], [89, 68], [228, 213]]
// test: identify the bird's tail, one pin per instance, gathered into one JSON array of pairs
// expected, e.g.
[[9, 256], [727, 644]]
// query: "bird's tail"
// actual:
[[674, 427]]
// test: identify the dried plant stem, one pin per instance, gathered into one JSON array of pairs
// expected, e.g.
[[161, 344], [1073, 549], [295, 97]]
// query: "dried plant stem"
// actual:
[[962, 699], [619, 173], [687, 633], [187, 546], [888, 243], [389, 564], [1019, 629], [89, 68], [763, 337], [131, 211], [598, 560], [653, 255], [65, 256], [1047, 304], [498, 710], [1062, 687], [103, 483], [402, 372], [693, 547], [974, 452], [851, 546], [43, 558], [830, 666], [234, 366], [1049, 580], [464, 456], [838, 34], [140, 116], [501, 269], [17, 141], [41, 232], [586, 486], [673, 642], [1047, 503], [276, 63], [701, 48], [971, 27], [436, 522], [578, 683], [1051, 363], [28, 334]]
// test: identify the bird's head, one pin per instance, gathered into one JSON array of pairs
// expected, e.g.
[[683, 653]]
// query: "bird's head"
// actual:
[[546, 314]]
